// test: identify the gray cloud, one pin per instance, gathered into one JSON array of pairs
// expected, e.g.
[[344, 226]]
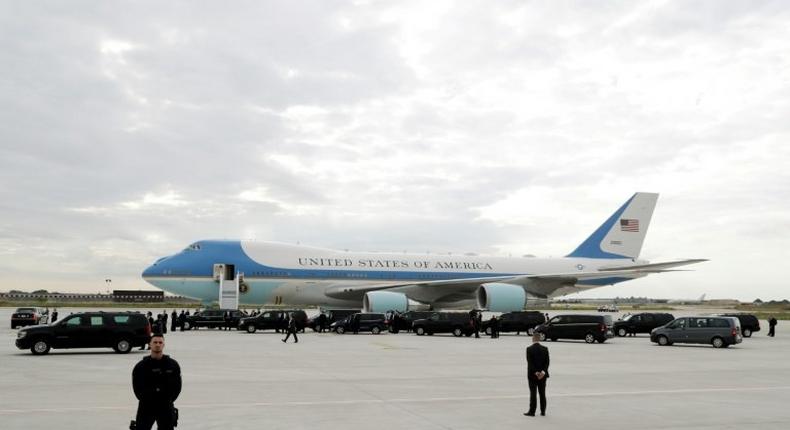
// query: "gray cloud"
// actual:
[[130, 130]]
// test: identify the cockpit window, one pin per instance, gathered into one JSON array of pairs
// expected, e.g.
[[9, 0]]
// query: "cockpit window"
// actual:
[[193, 247]]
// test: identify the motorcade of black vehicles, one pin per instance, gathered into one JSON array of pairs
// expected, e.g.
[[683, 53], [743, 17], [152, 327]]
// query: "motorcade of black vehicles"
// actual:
[[643, 322], [120, 331], [523, 321], [365, 321], [276, 319], [720, 332], [749, 323], [457, 323], [332, 315], [26, 316], [404, 320], [590, 328], [213, 318]]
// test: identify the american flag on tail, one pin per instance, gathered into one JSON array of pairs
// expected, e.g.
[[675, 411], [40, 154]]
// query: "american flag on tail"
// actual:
[[629, 225]]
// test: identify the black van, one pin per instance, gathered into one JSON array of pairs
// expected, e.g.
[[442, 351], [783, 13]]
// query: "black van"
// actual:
[[457, 323], [640, 323], [372, 322], [332, 315], [749, 323], [273, 320], [525, 321], [120, 331], [587, 327], [212, 318], [404, 320]]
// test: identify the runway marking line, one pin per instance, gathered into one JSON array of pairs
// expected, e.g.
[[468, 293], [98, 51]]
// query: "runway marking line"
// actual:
[[409, 400]]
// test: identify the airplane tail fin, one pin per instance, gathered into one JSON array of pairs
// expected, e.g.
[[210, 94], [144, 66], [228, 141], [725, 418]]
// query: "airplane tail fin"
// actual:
[[622, 235]]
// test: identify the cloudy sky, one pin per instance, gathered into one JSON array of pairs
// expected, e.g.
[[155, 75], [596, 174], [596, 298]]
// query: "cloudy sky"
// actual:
[[129, 130]]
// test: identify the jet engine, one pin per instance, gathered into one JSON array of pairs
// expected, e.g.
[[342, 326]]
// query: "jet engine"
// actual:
[[498, 297], [383, 301]]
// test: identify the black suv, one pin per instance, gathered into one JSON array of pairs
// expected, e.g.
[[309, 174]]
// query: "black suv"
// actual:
[[212, 318], [120, 331], [332, 315], [749, 323], [525, 321], [404, 320], [372, 322], [26, 316], [640, 323], [273, 320], [587, 327], [457, 323]]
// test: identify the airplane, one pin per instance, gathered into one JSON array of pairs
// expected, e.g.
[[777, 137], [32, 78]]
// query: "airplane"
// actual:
[[285, 274]]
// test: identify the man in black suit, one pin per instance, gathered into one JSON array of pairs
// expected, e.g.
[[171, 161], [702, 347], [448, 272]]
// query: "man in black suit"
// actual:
[[537, 373]]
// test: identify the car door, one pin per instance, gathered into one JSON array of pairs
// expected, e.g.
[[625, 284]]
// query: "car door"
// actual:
[[68, 333], [697, 330], [95, 332], [647, 323], [677, 330]]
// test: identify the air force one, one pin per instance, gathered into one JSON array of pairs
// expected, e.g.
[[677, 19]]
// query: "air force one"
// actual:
[[282, 274]]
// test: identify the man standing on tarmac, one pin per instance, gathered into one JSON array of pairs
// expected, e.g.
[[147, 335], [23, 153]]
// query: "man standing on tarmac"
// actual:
[[173, 320], [537, 373], [156, 380], [475, 322]]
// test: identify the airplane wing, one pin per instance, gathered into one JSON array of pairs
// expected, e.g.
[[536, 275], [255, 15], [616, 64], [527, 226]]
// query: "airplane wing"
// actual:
[[656, 267], [543, 285]]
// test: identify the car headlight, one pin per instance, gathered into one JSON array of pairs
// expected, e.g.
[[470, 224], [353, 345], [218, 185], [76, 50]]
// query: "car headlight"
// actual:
[[21, 333]]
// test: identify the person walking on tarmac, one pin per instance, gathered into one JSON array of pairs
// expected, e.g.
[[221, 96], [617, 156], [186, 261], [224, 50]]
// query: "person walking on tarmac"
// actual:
[[291, 330], [321, 322], [772, 326], [54, 315], [156, 381]]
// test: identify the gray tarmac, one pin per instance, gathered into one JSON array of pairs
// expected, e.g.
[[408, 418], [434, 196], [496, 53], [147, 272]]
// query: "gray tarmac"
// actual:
[[235, 380]]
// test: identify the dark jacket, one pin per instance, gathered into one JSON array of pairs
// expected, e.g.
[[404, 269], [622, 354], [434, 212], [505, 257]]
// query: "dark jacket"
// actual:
[[157, 382], [537, 360]]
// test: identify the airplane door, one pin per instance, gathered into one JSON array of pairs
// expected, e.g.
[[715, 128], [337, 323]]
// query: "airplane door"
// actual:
[[228, 292]]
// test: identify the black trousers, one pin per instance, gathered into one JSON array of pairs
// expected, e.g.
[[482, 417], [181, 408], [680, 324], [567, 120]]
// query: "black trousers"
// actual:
[[290, 332], [540, 387], [148, 414], [771, 331]]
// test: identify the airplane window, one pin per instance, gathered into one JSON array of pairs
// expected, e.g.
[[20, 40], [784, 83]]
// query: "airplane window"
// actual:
[[193, 247]]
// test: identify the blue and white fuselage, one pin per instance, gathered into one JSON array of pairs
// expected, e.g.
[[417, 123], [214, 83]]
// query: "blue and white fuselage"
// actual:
[[276, 273]]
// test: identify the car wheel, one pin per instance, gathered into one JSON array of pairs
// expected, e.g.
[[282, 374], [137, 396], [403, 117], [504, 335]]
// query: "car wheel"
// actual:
[[663, 340], [747, 332], [122, 346], [340, 330], [543, 337], [251, 328], [375, 330], [530, 331], [457, 332], [488, 331], [187, 325], [419, 331], [589, 338], [40, 347], [717, 342], [622, 332]]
